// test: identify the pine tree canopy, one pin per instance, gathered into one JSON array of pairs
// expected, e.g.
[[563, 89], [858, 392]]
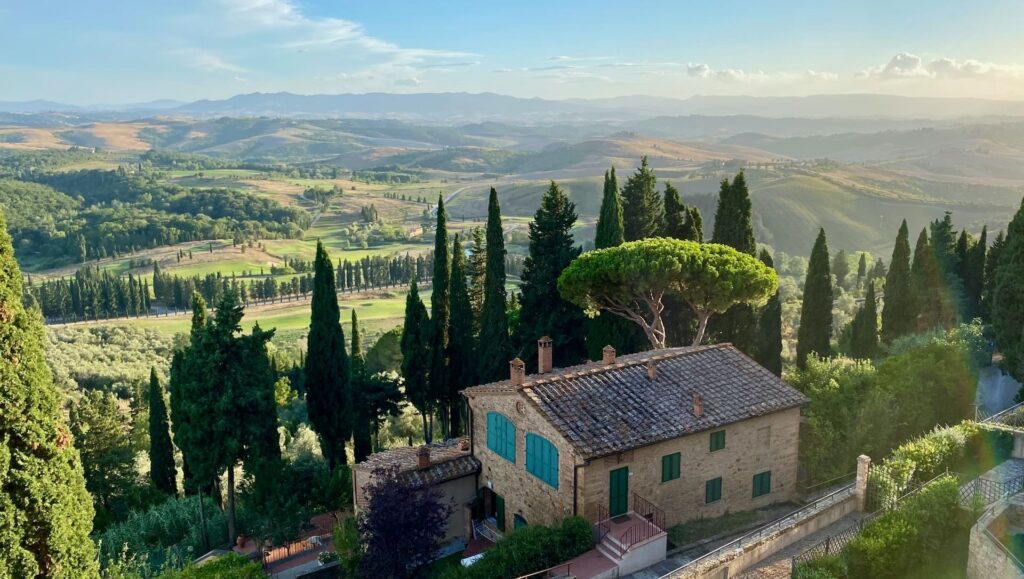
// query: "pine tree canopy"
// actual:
[[815, 332], [543, 311], [45, 511], [642, 209]]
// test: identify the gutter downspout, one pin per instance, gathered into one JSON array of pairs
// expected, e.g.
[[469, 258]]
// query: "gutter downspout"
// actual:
[[575, 486]]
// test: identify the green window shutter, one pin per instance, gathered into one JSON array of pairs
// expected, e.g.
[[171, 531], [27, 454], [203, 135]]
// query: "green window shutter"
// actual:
[[499, 512], [542, 459], [713, 490], [670, 467], [510, 441], [717, 440], [501, 436], [492, 435], [762, 483]]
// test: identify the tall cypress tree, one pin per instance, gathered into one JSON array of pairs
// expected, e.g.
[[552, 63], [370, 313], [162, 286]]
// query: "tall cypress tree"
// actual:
[[461, 357], [415, 347], [840, 267], [362, 430], [931, 287], [328, 395], [45, 511], [734, 225], [1007, 301], [676, 214], [440, 316], [864, 338], [862, 267], [693, 228], [815, 331], [991, 266], [161, 452], [608, 329], [642, 215], [610, 231], [973, 273], [543, 312], [495, 344], [476, 271], [899, 310], [768, 343]]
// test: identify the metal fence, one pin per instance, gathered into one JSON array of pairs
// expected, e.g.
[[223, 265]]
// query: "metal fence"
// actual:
[[832, 545], [772, 528], [984, 492]]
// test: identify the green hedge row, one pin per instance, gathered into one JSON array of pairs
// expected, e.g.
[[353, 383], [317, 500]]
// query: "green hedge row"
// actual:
[[528, 550], [900, 540]]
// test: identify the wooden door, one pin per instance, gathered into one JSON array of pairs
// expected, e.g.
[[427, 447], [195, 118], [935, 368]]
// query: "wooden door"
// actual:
[[618, 491]]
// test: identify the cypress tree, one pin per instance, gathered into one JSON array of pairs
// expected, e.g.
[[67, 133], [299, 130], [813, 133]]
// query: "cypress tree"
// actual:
[[1007, 301], [610, 231], [476, 270], [734, 224], [840, 267], [991, 265], [495, 347], [328, 394], [768, 343], [815, 331], [973, 273], [676, 214], [161, 452], [642, 215], [899, 311], [362, 441], [543, 312], [461, 348], [440, 316], [608, 329], [693, 229], [862, 267], [45, 511], [415, 347], [931, 290], [864, 338], [734, 227]]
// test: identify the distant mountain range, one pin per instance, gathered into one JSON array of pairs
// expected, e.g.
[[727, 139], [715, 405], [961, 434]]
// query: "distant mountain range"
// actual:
[[459, 108]]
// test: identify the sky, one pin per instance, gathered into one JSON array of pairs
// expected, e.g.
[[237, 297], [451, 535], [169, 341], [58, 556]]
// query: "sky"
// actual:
[[128, 51]]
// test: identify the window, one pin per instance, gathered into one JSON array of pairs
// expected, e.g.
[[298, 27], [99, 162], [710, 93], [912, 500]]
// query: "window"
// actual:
[[542, 459], [670, 467], [501, 436], [713, 490], [717, 440], [762, 483]]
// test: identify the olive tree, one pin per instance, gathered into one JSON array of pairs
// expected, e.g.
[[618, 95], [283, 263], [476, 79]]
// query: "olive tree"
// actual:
[[632, 279]]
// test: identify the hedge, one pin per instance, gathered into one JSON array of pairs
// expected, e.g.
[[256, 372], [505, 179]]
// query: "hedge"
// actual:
[[530, 549]]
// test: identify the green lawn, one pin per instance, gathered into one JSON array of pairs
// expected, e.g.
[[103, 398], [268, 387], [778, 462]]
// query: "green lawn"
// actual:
[[687, 533]]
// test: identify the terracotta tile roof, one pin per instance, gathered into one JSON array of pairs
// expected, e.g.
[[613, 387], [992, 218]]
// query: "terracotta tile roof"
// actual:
[[604, 409], [448, 461]]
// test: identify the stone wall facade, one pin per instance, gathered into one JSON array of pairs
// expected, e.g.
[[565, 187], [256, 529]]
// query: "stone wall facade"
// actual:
[[986, 558], [753, 446]]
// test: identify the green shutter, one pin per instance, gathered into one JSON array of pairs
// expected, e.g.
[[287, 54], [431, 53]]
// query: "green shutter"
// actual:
[[499, 511], [762, 483], [670, 465], [717, 440], [542, 459], [713, 490], [501, 436]]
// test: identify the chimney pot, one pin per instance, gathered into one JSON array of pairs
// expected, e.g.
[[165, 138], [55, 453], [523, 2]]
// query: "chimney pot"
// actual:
[[698, 405], [545, 354], [423, 457], [652, 369], [517, 372], [608, 355]]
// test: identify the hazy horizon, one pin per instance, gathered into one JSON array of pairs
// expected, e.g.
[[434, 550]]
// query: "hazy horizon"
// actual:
[[131, 52]]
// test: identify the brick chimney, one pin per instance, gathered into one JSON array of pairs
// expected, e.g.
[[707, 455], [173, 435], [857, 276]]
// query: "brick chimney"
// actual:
[[698, 405], [423, 457], [517, 372], [652, 369], [545, 352], [608, 355]]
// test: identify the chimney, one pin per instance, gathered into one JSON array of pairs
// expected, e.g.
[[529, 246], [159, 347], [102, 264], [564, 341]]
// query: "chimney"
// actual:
[[608, 355], [517, 372], [423, 457], [698, 405], [545, 351], [652, 369]]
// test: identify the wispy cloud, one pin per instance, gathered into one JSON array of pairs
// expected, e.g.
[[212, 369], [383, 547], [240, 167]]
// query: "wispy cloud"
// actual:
[[209, 62], [907, 65]]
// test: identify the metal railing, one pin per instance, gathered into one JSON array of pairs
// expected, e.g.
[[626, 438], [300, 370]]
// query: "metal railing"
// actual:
[[639, 533], [772, 528], [294, 548], [832, 545], [551, 573], [649, 511], [989, 491], [1006, 550], [603, 523]]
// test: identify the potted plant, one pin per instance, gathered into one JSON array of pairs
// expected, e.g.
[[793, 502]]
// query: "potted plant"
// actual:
[[326, 557]]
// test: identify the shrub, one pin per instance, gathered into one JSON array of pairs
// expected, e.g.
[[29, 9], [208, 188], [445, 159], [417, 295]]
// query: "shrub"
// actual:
[[230, 566], [827, 567], [531, 549], [901, 539]]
